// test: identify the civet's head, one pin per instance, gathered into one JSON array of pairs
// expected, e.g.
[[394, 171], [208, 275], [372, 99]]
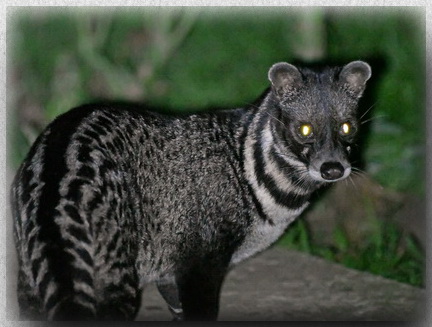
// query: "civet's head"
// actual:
[[316, 115]]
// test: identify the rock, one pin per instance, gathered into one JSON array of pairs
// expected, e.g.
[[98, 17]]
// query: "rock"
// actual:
[[288, 285]]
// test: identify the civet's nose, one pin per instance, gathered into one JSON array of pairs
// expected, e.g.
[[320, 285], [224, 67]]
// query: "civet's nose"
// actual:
[[332, 170]]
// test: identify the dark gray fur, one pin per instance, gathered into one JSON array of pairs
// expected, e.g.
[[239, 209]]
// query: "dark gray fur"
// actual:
[[110, 198]]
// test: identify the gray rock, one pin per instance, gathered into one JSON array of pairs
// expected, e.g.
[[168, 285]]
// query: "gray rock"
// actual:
[[287, 285]]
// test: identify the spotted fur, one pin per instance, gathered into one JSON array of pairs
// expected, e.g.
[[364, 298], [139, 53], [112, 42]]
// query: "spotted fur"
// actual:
[[113, 197]]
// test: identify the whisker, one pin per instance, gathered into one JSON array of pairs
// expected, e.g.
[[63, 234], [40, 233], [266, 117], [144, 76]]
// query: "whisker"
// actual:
[[352, 182], [373, 118], [251, 105], [346, 180], [358, 171], [365, 113], [278, 120], [267, 113]]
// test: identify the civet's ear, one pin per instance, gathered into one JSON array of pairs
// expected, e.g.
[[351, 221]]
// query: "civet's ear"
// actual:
[[285, 78], [354, 77]]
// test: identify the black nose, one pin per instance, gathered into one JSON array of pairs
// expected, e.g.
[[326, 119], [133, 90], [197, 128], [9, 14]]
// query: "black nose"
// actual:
[[332, 170]]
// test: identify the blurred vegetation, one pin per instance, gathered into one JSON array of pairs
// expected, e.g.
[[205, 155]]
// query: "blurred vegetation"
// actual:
[[388, 252], [191, 58]]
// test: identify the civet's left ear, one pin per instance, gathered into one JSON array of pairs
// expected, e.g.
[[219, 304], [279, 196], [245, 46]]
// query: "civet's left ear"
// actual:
[[354, 77], [285, 79]]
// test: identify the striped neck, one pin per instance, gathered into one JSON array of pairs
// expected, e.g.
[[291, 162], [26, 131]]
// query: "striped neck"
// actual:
[[279, 180]]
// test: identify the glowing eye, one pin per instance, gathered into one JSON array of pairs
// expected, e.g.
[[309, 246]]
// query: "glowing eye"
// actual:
[[306, 130], [346, 128]]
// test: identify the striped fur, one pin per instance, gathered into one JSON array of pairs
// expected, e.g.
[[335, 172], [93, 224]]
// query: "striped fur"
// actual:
[[112, 197]]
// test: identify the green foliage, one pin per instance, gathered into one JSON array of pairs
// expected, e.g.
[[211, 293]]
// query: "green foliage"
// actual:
[[387, 251], [297, 237], [225, 59]]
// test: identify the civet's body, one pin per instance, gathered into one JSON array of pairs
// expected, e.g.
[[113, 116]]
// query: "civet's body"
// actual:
[[111, 198]]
